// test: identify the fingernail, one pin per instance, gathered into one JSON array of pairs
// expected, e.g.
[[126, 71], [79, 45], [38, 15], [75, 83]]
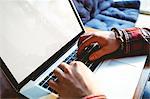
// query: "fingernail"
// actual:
[[91, 58]]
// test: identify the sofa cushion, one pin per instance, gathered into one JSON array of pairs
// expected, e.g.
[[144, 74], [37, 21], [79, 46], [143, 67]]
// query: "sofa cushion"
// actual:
[[83, 12], [105, 14], [97, 24], [122, 13], [134, 4], [103, 22]]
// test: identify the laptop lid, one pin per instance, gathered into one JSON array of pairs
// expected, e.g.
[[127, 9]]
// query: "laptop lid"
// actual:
[[34, 34]]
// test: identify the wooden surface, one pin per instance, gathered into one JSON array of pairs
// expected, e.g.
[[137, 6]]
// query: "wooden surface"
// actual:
[[6, 90]]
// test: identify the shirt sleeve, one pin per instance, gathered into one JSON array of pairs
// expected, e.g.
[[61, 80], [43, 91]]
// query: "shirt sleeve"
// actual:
[[136, 41]]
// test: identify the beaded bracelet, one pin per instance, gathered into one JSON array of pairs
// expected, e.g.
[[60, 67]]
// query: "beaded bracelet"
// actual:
[[120, 36]]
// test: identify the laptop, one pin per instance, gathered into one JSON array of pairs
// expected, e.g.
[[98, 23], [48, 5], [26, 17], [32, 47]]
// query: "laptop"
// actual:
[[37, 35]]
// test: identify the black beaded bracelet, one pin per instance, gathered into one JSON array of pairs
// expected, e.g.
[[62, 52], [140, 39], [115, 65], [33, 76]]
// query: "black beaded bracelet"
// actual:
[[120, 36]]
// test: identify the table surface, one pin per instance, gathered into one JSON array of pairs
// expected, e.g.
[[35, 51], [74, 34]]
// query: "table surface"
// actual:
[[7, 91]]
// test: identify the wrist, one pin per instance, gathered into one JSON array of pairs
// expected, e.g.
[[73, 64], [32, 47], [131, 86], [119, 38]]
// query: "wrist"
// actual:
[[113, 36], [119, 36]]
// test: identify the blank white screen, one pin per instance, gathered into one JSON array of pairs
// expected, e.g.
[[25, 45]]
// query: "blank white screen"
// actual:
[[33, 30]]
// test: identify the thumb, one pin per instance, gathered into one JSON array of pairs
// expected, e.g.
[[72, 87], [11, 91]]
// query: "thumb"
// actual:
[[98, 54]]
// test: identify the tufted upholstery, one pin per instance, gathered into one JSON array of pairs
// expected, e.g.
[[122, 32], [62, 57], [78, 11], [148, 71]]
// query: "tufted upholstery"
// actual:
[[105, 14]]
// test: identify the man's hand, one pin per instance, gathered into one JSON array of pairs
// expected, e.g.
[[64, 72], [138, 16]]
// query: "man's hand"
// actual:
[[106, 40], [75, 81]]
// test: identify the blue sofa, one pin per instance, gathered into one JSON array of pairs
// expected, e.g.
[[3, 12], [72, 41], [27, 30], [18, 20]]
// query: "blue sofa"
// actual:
[[106, 14]]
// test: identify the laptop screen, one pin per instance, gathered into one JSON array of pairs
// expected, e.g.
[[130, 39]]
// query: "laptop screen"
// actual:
[[32, 31]]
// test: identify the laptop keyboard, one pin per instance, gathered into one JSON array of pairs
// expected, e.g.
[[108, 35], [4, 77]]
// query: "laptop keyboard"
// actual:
[[44, 83], [72, 57]]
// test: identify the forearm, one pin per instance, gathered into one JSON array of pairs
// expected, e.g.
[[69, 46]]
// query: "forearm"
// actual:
[[136, 41]]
